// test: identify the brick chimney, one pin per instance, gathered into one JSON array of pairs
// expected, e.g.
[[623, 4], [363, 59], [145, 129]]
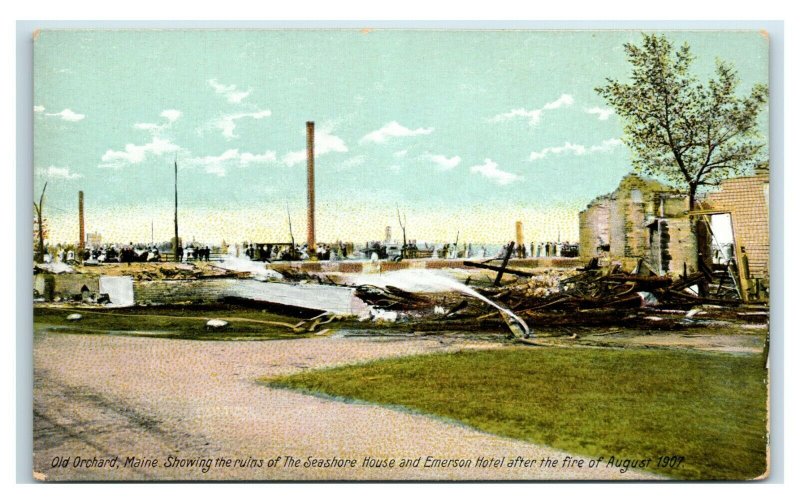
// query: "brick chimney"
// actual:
[[311, 239]]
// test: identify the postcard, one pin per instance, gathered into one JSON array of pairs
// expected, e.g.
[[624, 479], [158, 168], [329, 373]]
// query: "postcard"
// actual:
[[400, 255]]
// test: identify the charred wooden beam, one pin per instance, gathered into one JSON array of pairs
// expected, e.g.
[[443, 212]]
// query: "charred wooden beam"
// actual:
[[509, 251], [498, 268], [643, 281]]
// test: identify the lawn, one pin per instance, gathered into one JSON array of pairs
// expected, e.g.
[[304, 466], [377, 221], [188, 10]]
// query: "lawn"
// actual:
[[170, 322], [708, 408]]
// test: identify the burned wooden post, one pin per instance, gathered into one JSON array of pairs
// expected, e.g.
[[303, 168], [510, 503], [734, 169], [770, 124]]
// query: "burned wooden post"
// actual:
[[403, 222], [176, 243], [490, 267], [81, 229], [291, 233], [509, 251], [40, 225]]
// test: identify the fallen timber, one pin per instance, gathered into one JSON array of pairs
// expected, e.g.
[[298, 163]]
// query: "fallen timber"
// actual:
[[590, 296], [490, 267]]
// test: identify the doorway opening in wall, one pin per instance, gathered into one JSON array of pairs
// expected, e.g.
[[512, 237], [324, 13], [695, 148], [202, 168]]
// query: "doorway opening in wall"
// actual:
[[722, 243], [722, 264]]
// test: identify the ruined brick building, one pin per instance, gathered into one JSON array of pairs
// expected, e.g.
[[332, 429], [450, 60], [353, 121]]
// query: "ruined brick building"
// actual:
[[642, 218], [645, 219], [746, 199]]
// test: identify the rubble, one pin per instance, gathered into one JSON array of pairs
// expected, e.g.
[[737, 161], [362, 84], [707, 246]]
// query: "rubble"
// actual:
[[590, 295], [54, 267]]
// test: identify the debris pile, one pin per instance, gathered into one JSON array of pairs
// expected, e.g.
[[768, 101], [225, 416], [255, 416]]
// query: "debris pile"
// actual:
[[591, 295], [610, 287]]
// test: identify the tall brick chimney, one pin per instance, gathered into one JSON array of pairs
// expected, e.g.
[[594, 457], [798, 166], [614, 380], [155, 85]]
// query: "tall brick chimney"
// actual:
[[81, 228], [311, 239]]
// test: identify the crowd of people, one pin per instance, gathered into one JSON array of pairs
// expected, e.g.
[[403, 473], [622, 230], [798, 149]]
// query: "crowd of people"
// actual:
[[109, 253], [124, 253], [194, 253], [268, 252], [554, 249]]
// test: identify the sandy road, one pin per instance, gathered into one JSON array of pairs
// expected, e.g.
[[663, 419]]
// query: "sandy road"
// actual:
[[107, 396]]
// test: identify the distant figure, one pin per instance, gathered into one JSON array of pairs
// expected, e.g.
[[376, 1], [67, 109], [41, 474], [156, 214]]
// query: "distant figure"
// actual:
[[179, 252]]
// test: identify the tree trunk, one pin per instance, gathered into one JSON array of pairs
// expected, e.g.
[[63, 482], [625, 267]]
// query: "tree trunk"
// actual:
[[700, 237]]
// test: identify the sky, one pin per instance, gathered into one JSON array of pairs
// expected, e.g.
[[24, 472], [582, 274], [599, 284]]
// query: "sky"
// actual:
[[463, 131]]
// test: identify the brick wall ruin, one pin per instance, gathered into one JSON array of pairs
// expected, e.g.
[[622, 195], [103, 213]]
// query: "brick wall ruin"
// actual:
[[594, 226], [747, 200], [642, 218]]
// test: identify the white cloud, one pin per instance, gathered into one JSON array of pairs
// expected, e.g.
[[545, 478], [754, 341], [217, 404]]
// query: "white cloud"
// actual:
[[293, 158], [602, 113], [218, 165], [59, 172], [67, 115], [534, 115], [151, 127], [606, 145], [443, 162], [135, 154], [38, 108], [231, 93], [247, 158], [564, 100], [576, 149], [392, 130], [490, 170], [227, 123], [171, 115], [215, 164], [400, 154], [324, 143]]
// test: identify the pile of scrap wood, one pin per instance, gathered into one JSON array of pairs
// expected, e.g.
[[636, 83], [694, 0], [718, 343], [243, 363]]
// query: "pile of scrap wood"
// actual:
[[393, 298], [610, 287]]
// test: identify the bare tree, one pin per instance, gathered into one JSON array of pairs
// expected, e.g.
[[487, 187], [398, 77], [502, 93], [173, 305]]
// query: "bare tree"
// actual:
[[39, 256], [402, 223], [291, 233]]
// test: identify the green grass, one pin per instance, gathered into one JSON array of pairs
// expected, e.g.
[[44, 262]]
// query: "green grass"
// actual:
[[170, 322], [638, 404]]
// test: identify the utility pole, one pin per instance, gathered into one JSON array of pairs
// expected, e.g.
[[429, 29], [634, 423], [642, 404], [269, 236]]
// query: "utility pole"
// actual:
[[175, 244], [81, 229]]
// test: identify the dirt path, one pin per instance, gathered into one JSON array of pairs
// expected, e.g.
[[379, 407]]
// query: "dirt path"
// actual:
[[103, 396]]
